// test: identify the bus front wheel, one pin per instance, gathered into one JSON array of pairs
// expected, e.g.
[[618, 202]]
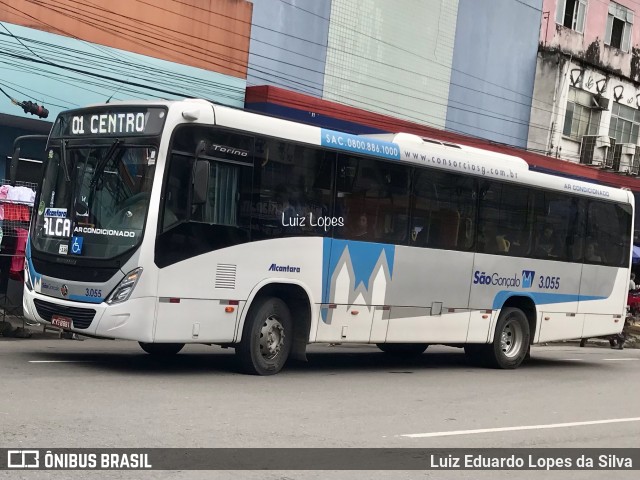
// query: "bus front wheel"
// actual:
[[403, 349], [161, 349], [510, 341], [267, 338]]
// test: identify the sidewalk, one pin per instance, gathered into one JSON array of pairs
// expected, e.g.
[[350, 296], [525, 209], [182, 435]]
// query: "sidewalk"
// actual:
[[13, 326], [632, 341]]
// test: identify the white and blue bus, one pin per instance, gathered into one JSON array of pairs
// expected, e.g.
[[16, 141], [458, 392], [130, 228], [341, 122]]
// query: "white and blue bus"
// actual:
[[183, 222]]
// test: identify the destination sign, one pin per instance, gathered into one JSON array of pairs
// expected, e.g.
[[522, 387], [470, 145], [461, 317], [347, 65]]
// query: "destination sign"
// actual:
[[57, 227], [110, 123]]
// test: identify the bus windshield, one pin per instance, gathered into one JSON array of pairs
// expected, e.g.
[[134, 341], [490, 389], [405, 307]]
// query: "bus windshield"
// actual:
[[94, 199]]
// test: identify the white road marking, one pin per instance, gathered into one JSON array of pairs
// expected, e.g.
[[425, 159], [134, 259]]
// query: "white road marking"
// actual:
[[620, 359], [573, 359], [523, 427], [60, 361]]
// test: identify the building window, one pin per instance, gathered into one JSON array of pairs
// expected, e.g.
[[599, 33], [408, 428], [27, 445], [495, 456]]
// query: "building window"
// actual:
[[619, 23], [582, 117], [570, 13], [625, 123]]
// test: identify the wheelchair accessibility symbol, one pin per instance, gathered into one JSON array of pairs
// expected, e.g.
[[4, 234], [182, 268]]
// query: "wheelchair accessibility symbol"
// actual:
[[76, 245]]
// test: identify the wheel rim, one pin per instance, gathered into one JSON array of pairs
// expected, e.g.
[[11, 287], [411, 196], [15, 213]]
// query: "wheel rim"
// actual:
[[511, 338], [271, 338]]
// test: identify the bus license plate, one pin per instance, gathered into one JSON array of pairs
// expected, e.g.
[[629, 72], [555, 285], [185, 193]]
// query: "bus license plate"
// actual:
[[60, 321]]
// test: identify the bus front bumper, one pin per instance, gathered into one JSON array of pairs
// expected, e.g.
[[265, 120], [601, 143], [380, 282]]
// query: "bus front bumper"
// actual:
[[129, 320]]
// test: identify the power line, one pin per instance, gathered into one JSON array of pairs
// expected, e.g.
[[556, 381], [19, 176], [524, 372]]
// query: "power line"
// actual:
[[11, 86], [448, 82], [413, 53], [106, 65], [473, 126], [387, 90], [372, 86], [99, 26], [418, 119]]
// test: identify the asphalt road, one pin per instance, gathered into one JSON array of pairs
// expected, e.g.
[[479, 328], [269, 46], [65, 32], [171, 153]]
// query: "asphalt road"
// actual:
[[100, 393]]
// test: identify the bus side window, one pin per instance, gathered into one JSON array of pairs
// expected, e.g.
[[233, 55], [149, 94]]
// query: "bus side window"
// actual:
[[223, 219], [292, 187], [506, 221], [373, 200], [443, 210], [445, 225], [609, 233], [176, 208]]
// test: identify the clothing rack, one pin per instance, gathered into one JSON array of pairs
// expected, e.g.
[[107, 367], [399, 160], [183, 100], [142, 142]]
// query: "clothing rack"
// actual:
[[16, 209]]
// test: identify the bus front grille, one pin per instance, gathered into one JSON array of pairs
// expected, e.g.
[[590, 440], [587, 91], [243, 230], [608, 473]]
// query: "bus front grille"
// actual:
[[82, 317]]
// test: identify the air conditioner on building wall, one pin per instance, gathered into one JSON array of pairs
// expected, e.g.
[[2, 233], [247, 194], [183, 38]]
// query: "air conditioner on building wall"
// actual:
[[623, 157], [635, 165], [601, 102], [597, 150]]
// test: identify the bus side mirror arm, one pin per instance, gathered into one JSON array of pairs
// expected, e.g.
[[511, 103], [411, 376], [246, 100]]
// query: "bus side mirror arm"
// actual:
[[200, 182], [200, 178], [13, 168], [15, 157]]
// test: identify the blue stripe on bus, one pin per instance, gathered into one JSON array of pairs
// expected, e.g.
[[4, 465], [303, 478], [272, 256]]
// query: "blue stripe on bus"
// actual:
[[542, 298], [358, 144], [84, 298], [35, 276]]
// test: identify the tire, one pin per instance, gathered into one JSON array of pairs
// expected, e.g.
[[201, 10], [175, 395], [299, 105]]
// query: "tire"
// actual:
[[267, 338], [510, 341], [161, 349], [403, 349]]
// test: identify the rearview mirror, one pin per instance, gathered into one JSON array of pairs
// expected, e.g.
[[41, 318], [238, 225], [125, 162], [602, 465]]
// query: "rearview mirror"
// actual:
[[201, 171], [13, 168], [15, 158]]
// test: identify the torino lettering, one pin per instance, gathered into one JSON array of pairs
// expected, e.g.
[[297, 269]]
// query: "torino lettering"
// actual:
[[483, 278]]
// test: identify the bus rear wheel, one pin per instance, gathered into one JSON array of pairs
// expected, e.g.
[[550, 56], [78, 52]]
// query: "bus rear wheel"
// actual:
[[511, 340], [267, 338], [161, 349], [403, 349]]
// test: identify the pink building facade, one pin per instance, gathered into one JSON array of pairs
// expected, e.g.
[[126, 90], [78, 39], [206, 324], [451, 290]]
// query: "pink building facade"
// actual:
[[586, 99], [601, 32]]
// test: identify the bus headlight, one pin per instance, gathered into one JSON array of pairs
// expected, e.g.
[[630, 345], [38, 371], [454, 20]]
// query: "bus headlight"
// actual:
[[124, 289]]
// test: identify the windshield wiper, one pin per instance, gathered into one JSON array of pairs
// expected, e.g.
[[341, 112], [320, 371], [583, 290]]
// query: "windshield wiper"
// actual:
[[102, 163], [65, 165]]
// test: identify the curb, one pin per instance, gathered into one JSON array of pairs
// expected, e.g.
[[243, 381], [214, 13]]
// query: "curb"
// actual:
[[16, 327]]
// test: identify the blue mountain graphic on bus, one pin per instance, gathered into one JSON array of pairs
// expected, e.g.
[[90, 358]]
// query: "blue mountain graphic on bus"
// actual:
[[527, 278], [362, 259]]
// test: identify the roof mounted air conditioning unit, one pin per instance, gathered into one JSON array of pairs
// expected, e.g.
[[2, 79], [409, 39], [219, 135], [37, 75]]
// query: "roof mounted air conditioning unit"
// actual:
[[608, 159], [635, 164]]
